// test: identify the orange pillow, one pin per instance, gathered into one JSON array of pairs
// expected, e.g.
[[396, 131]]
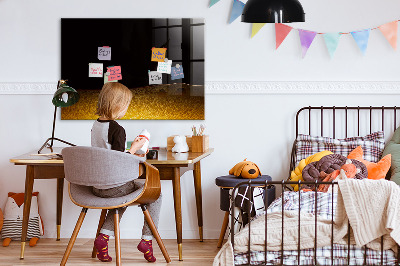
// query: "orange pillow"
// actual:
[[375, 170]]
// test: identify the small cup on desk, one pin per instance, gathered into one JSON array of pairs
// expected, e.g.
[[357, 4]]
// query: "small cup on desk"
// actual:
[[152, 155], [200, 143]]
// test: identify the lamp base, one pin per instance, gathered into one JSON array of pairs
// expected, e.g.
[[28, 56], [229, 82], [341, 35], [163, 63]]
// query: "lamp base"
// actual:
[[50, 146]]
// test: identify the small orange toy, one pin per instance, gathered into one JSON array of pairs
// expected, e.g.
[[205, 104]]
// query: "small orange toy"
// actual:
[[245, 169]]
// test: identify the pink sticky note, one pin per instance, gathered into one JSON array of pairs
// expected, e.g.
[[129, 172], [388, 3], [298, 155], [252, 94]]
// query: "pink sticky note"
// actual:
[[115, 73]]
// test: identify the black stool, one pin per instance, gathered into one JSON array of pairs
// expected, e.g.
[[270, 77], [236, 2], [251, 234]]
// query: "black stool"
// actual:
[[226, 183]]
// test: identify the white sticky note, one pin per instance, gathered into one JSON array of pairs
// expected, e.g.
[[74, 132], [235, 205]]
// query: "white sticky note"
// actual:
[[164, 67], [95, 70], [104, 53], [155, 77]]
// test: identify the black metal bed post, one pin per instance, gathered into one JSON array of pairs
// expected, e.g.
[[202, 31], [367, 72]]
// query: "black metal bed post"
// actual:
[[298, 238], [249, 220], [283, 211], [315, 223], [333, 192], [266, 221]]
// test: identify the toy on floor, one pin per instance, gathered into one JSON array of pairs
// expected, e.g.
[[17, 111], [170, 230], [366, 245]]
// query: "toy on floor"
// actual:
[[13, 215], [245, 169]]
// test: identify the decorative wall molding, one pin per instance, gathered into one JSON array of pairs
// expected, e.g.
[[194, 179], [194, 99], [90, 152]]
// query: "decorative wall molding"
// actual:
[[249, 87], [303, 87]]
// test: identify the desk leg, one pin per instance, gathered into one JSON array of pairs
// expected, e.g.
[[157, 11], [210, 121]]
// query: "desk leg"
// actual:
[[176, 182], [27, 206], [197, 189], [60, 190]]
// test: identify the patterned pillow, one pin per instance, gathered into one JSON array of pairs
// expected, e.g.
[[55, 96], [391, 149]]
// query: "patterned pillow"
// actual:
[[372, 145]]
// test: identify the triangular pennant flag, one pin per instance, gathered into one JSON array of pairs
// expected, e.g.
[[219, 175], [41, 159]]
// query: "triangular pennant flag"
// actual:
[[332, 41], [281, 31], [213, 2], [237, 9], [306, 39], [390, 32], [361, 37], [256, 28]]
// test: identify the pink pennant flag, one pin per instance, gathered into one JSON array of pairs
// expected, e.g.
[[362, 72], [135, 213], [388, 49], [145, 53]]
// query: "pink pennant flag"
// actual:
[[389, 30], [306, 39], [281, 31]]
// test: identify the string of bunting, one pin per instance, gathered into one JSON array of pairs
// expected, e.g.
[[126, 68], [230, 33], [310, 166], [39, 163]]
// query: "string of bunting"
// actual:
[[361, 37]]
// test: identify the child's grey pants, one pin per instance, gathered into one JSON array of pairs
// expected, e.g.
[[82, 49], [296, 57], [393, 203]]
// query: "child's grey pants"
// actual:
[[154, 208]]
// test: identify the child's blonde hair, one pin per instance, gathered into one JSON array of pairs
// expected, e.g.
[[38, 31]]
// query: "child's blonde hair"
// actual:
[[113, 99]]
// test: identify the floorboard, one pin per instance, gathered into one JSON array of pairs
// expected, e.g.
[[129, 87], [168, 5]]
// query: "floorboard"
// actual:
[[50, 252]]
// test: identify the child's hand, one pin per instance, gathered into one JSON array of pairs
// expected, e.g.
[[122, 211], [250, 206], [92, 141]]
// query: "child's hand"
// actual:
[[143, 155], [137, 144]]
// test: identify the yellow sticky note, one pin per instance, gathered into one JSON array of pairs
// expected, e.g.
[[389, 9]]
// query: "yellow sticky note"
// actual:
[[158, 54]]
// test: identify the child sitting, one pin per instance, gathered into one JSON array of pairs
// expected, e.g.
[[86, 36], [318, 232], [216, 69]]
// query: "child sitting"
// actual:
[[113, 103]]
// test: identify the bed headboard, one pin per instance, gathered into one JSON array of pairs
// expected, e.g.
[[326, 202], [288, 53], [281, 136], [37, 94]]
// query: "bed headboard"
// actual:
[[344, 121]]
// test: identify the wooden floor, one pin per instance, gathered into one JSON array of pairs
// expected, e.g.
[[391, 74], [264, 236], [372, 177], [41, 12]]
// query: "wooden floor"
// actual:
[[50, 252]]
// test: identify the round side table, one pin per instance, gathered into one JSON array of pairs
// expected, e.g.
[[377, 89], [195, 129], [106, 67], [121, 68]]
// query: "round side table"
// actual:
[[228, 182]]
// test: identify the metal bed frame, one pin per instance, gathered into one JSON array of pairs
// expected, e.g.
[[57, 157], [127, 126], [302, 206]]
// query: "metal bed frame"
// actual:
[[284, 183]]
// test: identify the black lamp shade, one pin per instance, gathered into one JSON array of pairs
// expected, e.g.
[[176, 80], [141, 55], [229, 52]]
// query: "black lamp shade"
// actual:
[[65, 96], [273, 11]]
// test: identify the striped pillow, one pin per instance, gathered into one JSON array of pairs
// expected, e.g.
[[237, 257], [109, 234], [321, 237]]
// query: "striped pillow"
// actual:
[[13, 228], [372, 145]]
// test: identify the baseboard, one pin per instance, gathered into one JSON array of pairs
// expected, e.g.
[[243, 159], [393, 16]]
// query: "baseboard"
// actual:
[[247, 87]]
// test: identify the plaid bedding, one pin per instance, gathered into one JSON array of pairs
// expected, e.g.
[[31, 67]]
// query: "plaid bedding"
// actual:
[[372, 145], [322, 207]]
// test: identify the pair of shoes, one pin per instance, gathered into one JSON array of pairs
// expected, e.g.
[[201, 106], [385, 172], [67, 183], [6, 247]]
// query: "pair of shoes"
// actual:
[[146, 247], [101, 245]]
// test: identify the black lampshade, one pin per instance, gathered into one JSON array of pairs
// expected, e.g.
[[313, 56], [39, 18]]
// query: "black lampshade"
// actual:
[[273, 11], [65, 96]]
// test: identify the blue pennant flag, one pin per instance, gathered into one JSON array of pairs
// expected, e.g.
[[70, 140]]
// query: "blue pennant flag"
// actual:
[[332, 41], [361, 38], [237, 9], [213, 2]]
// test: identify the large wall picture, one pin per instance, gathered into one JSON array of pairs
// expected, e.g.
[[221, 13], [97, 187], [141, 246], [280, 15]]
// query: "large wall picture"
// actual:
[[160, 60]]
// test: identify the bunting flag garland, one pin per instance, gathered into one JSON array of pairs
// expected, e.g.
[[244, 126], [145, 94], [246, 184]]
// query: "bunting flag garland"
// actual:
[[281, 31], [389, 30], [361, 37], [213, 2], [237, 9], [306, 39], [256, 28], [332, 41]]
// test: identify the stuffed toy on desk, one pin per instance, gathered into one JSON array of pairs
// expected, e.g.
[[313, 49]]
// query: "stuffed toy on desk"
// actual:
[[13, 215], [245, 169]]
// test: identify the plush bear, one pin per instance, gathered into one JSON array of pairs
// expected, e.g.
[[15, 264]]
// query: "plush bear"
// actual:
[[13, 215], [245, 169], [180, 144]]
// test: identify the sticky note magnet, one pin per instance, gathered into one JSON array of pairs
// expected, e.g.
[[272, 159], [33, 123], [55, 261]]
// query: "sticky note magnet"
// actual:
[[164, 67], [115, 73], [158, 54], [177, 72], [155, 77], [95, 70], [104, 53]]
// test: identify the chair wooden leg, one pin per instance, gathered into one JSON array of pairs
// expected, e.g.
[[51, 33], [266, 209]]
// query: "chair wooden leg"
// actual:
[[154, 230], [117, 238], [223, 229], [73, 237], [101, 222]]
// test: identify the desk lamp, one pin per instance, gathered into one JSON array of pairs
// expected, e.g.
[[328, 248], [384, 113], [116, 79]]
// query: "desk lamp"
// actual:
[[273, 11], [63, 97]]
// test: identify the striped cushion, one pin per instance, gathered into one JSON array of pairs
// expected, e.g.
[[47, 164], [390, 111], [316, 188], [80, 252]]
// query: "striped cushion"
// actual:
[[372, 145], [13, 228]]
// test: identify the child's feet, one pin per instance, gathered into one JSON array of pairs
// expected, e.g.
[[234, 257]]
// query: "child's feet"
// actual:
[[146, 247], [101, 245]]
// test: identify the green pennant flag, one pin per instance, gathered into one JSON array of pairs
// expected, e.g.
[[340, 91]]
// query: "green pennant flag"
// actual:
[[213, 2]]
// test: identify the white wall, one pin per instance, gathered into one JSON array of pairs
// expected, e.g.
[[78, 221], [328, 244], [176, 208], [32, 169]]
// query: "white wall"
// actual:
[[258, 126]]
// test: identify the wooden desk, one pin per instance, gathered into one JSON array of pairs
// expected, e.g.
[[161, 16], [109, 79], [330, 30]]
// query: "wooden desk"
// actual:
[[171, 167]]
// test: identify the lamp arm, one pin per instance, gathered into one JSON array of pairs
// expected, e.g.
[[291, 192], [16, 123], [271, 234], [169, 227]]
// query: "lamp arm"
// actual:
[[54, 126]]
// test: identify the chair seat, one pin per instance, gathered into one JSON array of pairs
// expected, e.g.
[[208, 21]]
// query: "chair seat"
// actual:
[[83, 196]]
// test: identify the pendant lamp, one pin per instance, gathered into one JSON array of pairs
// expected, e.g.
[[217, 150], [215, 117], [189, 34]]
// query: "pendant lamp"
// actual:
[[63, 97], [273, 11]]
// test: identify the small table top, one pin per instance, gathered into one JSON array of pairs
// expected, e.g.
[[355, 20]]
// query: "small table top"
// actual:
[[230, 181], [164, 157]]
